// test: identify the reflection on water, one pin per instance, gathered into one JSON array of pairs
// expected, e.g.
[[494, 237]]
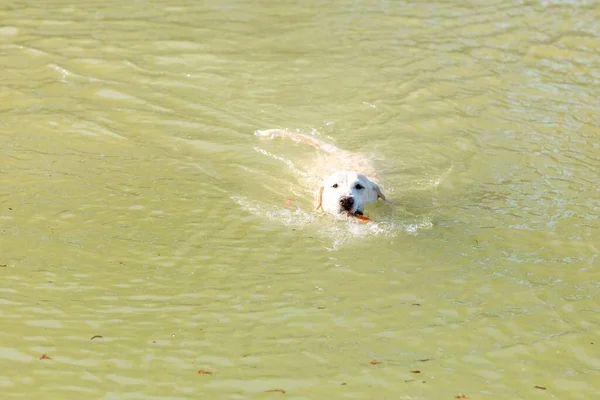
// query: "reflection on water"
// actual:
[[137, 205]]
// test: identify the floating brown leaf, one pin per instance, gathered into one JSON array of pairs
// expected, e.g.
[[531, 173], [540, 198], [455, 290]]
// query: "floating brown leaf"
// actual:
[[275, 390], [204, 372], [45, 356], [374, 362]]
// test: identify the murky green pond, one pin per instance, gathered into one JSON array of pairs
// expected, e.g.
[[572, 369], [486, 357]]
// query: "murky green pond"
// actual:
[[151, 247]]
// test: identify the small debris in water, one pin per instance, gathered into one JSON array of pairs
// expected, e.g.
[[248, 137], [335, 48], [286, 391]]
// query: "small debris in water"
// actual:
[[320, 307], [276, 390], [96, 337], [461, 396], [204, 372], [416, 304], [374, 362], [424, 359], [539, 387], [45, 356], [415, 371]]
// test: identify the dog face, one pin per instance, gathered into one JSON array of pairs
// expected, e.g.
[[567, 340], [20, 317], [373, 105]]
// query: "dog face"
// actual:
[[347, 192]]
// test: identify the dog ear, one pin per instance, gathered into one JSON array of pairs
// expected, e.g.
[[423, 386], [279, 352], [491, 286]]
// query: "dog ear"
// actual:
[[380, 194], [319, 198]]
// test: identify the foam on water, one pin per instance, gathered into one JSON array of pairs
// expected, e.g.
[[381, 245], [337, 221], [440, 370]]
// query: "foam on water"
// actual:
[[339, 232], [287, 216]]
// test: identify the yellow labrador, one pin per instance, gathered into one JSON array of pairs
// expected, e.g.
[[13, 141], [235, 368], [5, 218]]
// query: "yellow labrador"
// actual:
[[344, 191]]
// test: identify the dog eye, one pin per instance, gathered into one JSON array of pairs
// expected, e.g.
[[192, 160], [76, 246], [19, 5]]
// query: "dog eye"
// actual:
[[359, 187], [335, 185]]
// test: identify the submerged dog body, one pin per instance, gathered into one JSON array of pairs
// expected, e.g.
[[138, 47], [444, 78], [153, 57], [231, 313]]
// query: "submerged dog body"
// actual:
[[343, 192]]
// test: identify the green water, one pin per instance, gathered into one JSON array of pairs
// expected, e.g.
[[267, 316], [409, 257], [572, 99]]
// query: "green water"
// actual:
[[136, 204]]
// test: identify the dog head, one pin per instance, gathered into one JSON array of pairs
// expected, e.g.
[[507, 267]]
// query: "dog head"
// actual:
[[346, 192]]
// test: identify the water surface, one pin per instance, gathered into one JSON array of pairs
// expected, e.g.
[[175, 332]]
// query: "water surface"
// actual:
[[137, 205]]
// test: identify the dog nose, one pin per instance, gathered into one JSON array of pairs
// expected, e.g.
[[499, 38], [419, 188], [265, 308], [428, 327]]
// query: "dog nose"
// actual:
[[346, 202]]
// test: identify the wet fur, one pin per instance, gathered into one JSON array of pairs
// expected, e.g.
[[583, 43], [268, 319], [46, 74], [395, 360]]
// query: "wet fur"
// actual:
[[348, 174]]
